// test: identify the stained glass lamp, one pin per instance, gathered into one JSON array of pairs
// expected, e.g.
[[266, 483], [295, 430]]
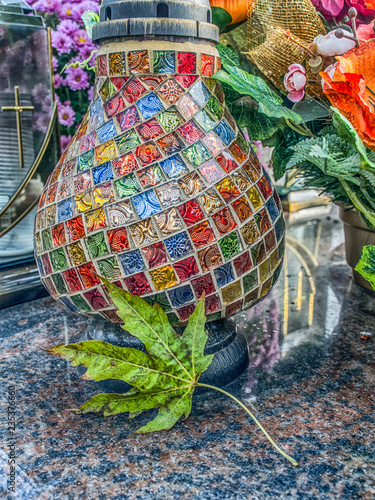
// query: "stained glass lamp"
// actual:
[[159, 191]]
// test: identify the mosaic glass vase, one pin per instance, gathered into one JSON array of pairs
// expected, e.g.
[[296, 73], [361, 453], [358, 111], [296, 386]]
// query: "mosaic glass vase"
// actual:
[[159, 191]]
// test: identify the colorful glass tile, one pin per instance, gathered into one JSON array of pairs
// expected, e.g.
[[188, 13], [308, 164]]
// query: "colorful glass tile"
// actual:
[[200, 93], [132, 262], [127, 141], [128, 118], [197, 154], [168, 222], [255, 197], [120, 214], [174, 166], [105, 152], [224, 131], [186, 268], [186, 80], [96, 245], [143, 232], [67, 303], [95, 219], [155, 254], [128, 185], [184, 313], [138, 62], [212, 304], [210, 258], [251, 171], [263, 221], [125, 164], [170, 91], [211, 171], [226, 161], [59, 283], [109, 268], [164, 61], [102, 194], [233, 308], [264, 187], [150, 176], [186, 63], [276, 198], [118, 239], [230, 245], [279, 228], [133, 90], [265, 288], [146, 204], [228, 189], [147, 153], [152, 81], [213, 143], [72, 280], [242, 264], [50, 214], [224, 220], [101, 65], [258, 253], [38, 243], [114, 106], [210, 201], [178, 245], [107, 90], [137, 284], [111, 315], [203, 285], [208, 65], [190, 132], [232, 292], [181, 295], [242, 142], [187, 106], [163, 277], [215, 108], [237, 152], [241, 179], [170, 119], [149, 105], [75, 229], [47, 239], [192, 184], [161, 299], [95, 299], [270, 241], [80, 303], [149, 129], [58, 236], [201, 234], [191, 212], [76, 254], [224, 274], [169, 194], [102, 173], [250, 281], [117, 63], [65, 188], [119, 81], [264, 271], [42, 200], [83, 202], [242, 208], [64, 210], [273, 261], [88, 275], [46, 263], [51, 194], [250, 232], [58, 259], [204, 120], [170, 144], [82, 182]]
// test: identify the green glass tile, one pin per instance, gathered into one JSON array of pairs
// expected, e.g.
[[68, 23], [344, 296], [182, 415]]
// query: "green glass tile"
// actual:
[[173, 319], [197, 154], [215, 108], [127, 141], [204, 120], [213, 316], [230, 245], [250, 281], [58, 259], [164, 61], [276, 274], [47, 239], [59, 283], [107, 90], [86, 160], [258, 253], [80, 303], [128, 185], [170, 119], [242, 142], [96, 245], [109, 268], [161, 299]]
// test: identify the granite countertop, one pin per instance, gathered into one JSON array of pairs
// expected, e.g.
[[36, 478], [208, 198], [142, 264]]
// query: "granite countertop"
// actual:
[[310, 382]]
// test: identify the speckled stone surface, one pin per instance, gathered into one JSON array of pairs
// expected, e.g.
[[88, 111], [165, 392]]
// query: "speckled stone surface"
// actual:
[[310, 382]]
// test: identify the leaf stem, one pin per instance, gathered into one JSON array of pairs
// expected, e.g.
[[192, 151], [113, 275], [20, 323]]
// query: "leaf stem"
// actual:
[[299, 129], [357, 202], [291, 460]]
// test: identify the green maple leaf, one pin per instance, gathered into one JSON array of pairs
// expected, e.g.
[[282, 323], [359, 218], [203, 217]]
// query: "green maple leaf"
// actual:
[[366, 264], [164, 377]]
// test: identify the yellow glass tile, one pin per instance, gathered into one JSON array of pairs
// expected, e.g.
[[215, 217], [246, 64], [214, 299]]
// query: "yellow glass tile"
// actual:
[[38, 243], [250, 232], [232, 292], [83, 202], [164, 277], [76, 254], [273, 260], [265, 288], [143, 232], [102, 194], [105, 152], [264, 270], [255, 197], [95, 219]]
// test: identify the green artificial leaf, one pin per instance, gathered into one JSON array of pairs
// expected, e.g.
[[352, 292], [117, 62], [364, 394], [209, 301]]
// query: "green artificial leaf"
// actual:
[[311, 109], [366, 264], [269, 102], [229, 55], [89, 18], [221, 18]]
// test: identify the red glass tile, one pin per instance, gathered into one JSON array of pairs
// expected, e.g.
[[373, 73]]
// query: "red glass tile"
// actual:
[[190, 132], [125, 164], [111, 315], [51, 194], [187, 63], [242, 264], [208, 65], [210, 258], [186, 80], [138, 284], [88, 275], [212, 304], [47, 282], [152, 81], [155, 254], [185, 312], [228, 189], [186, 268], [224, 221], [133, 90], [42, 199], [147, 153], [263, 221], [96, 299], [118, 239], [46, 264], [58, 235], [203, 284], [55, 174], [242, 208], [102, 65], [82, 182], [75, 228], [170, 144], [270, 241], [276, 197], [119, 81], [233, 308], [150, 129], [191, 212], [251, 171], [202, 234], [237, 152], [72, 280], [264, 187]]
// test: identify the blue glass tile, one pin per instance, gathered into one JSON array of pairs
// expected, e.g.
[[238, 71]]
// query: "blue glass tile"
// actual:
[[102, 173], [224, 274], [146, 204], [40, 266], [181, 296], [107, 131], [272, 209], [224, 131], [279, 229], [68, 304], [178, 245], [200, 93], [132, 262], [96, 106], [86, 160], [174, 166], [150, 105], [64, 210]]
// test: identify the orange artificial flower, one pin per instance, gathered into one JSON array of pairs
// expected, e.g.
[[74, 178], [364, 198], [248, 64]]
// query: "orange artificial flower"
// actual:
[[351, 89]]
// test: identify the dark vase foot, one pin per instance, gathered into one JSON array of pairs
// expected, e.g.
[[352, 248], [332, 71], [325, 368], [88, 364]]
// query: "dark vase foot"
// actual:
[[229, 347]]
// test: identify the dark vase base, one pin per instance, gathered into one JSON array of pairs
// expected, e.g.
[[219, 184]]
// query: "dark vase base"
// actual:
[[229, 347]]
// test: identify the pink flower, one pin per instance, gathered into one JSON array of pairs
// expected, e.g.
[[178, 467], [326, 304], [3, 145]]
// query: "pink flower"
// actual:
[[81, 38], [366, 31], [68, 11], [295, 81], [58, 80], [66, 115], [55, 63], [50, 6], [84, 6], [68, 27], [329, 8], [61, 42], [77, 78], [85, 52], [40, 93], [90, 93], [64, 141], [330, 46]]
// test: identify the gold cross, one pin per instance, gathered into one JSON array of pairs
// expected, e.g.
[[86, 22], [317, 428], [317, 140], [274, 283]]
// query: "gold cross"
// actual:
[[18, 109]]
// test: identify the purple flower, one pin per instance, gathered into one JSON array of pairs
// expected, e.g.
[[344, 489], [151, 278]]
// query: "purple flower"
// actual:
[[66, 115], [64, 141], [84, 53], [86, 5], [40, 93], [90, 93], [58, 80], [41, 121], [55, 63], [77, 78], [61, 42], [68, 27], [68, 11], [81, 38], [50, 6]]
